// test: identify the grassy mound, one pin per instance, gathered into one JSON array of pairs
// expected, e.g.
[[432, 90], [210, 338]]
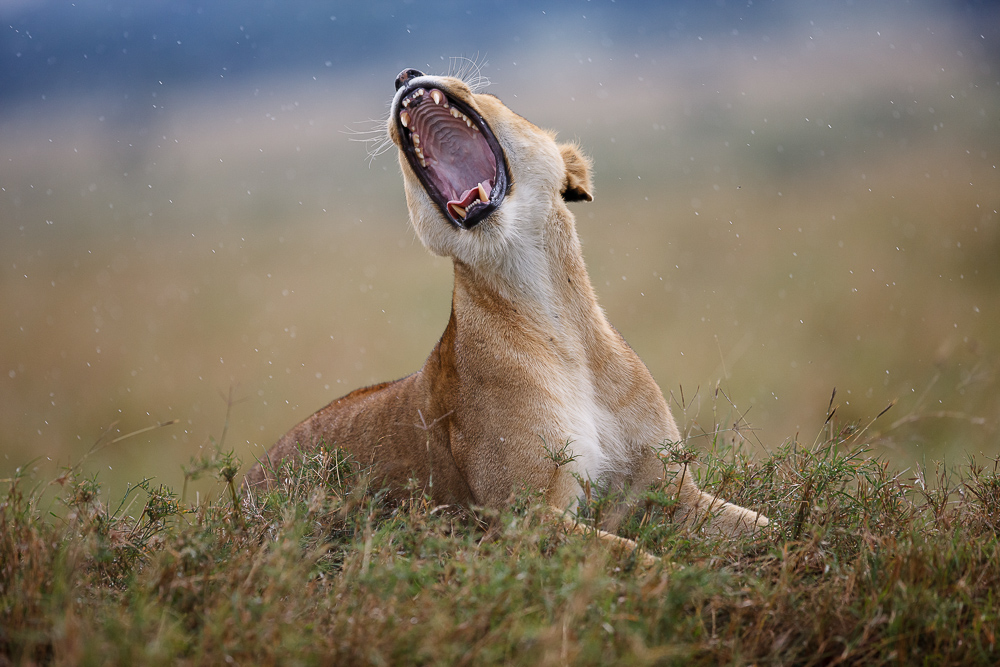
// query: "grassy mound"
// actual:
[[865, 565]]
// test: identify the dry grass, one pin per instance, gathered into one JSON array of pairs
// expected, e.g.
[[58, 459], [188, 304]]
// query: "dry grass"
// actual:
[[866, 564]]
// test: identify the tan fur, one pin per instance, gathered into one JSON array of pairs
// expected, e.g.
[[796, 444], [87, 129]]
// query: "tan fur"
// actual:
[[528, 359]]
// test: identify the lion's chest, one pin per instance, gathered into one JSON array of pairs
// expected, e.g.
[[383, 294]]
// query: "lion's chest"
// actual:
[[596, 437]]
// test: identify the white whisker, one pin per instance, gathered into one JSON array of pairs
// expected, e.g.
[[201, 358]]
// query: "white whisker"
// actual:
[[469, 70], [376, 138]]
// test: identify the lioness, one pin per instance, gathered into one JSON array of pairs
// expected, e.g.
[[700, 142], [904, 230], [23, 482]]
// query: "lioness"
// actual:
[[528, 361]]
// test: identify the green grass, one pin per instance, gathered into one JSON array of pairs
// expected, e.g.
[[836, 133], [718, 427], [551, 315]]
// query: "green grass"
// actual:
[[865, 565]]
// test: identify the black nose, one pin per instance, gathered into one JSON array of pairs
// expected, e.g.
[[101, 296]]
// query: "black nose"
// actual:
[[406, 75]]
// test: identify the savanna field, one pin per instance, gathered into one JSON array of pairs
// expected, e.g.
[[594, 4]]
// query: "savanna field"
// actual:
[[798, 235]]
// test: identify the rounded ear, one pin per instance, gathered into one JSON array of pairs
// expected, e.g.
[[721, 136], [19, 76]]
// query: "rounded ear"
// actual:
[[577, 186]]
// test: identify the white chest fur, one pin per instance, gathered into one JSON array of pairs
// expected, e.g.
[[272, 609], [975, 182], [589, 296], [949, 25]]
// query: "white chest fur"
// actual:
[[596, 440]]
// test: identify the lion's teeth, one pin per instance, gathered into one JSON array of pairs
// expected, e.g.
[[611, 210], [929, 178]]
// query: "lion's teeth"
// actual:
[[423, 163], [454, 112], [482, 193], [404, 118], [458, 209], [420, 153], [416, 139], [436, 96]]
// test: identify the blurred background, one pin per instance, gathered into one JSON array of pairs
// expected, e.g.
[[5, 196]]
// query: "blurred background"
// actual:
[[791, 197]]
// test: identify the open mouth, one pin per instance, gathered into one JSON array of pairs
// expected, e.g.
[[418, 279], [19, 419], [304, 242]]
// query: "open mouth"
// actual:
[[454, 154]]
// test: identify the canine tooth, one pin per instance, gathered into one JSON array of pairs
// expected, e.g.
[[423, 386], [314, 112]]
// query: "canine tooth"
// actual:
[[404, 118], [458, 209], [482, 193], [436, 96]]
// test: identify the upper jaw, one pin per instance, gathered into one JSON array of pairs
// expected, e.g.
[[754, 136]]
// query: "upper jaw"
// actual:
[[451, 149]]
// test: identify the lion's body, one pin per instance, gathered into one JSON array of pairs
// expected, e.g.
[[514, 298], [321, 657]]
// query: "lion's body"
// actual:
[[527, 363]]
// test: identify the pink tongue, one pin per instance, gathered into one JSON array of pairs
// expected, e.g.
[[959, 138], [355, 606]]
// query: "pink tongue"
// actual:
[[471, 195]]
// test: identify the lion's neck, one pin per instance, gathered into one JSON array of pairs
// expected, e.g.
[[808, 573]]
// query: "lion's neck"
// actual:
[[544, 287]]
